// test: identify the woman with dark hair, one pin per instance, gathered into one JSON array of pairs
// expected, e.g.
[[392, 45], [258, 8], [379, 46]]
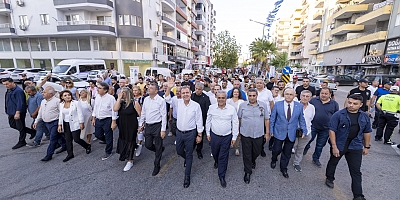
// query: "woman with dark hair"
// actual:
[[70, 86], [235, 99], [128, 110], [71, 122]]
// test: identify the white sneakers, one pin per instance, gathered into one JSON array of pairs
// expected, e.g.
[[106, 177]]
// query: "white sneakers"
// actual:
[[237, 152], [175, 142], [138, 150], [128, 166], [169, 134]]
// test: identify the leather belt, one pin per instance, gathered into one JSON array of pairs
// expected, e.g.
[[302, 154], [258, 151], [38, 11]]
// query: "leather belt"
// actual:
[[184, 132]]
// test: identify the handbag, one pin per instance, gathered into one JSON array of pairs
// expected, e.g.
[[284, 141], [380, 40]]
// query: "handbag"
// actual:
[[299, 132]]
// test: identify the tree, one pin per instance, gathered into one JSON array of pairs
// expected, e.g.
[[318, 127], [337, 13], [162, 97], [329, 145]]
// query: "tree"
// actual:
[[280, 61], [261, 50], [226, 50], [297, 65]]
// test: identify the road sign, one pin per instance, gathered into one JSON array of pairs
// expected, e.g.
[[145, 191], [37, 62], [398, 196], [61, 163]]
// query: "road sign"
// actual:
[[285, 78], [286, 70]]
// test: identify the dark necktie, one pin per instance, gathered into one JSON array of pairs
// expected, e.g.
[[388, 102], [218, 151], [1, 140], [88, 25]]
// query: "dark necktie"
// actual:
[[289, 113]]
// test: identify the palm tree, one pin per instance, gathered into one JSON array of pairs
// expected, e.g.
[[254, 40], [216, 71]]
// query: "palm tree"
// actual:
[[280, 61], [261, 50]]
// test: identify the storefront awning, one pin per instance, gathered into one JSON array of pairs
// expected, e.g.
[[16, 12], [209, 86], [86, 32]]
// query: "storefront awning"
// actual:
[[371, 67]]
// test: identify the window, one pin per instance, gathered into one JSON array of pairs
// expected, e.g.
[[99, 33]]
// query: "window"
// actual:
[[121, 20], [103, 20], [72, 19], [150, 24], [20, 44], [23, 20], [397, 20], [127, 20], [133, 20], [158, 27], [139, 21], [44, 18], [104, 44], [5, 45], [39, 44]]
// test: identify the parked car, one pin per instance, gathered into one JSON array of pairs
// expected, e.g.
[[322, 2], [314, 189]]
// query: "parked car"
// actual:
[[381, 78], [215, 70], [300, 75], [94, 74], [344, 80], [55, 80], [317, 82], [6, 72], [40, 74], [16, 75]]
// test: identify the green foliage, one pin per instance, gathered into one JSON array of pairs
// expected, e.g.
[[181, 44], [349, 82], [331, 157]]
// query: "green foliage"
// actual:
[[297, 65], [226, 51], [261, 50], [280, 61]]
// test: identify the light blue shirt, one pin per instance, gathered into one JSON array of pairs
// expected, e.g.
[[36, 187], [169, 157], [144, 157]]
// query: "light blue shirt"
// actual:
[[34, 102]]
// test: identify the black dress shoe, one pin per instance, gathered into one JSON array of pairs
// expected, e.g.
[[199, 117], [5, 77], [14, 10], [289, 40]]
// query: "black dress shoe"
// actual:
[[156, 170], [273, 164], [186, 182], [246, 178], [61, 150], [263, 154], [163, 149], [19, 145], [33, 134], [253, 166], [285, 174], [68, 158], [102, 142], [215, 165], [200, 155], [89, 149], [223, 182], [46, 158]]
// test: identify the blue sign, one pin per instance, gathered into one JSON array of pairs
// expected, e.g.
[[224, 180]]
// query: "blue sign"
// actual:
[[286, 70], [391, 59]]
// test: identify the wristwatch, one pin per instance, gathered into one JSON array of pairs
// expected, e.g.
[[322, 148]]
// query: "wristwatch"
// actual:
[[367, 147]]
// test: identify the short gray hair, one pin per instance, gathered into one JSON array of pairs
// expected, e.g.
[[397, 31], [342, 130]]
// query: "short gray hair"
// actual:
[[31, 88], [51, 90], [200, 85], [259, 79], [221, 92], [306, 91]]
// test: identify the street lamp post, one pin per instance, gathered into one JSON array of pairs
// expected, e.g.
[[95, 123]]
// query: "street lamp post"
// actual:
[[264, 24]]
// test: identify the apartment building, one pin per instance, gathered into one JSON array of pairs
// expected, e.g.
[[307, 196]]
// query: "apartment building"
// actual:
[[124, 33], [281, 35]]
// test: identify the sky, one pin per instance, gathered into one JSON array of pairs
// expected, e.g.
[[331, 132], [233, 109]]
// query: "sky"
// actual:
[[235, 15]]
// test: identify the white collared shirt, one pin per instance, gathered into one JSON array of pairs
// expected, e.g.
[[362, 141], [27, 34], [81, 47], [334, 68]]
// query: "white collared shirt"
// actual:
[[309, 113], [223, 121], [265, 96], [189, 116], [49, 110], [154, 111], [285, 106], [174, 107], [103, 107]]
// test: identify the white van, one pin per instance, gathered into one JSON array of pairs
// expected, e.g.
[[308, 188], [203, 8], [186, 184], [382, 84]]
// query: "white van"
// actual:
[[158, 70], [79, 68]]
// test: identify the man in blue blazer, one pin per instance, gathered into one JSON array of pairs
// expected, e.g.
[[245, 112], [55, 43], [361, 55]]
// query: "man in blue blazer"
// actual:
[[286, 117]]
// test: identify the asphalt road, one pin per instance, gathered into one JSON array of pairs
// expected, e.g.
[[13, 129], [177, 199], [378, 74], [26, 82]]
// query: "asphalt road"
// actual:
[[24, 176]]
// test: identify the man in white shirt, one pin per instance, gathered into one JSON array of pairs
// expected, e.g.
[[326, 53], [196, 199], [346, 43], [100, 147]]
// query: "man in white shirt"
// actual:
[[265, 96], [215, 89], [294, 84], [49, 112], [222, 128], [104, 118], [189, 124], [154, 119], [224, 86]]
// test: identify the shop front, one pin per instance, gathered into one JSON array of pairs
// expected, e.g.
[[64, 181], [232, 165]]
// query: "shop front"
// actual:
[[344, 61], [143, 64], [392, 56]]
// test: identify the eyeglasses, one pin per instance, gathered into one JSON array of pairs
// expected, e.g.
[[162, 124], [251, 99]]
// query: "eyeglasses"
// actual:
[[177, 82], [68, 82]]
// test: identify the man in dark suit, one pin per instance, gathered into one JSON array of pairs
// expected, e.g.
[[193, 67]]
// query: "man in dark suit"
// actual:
[[204, 101], [286, 117]]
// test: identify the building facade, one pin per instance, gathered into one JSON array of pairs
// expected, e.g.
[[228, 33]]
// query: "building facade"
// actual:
[[124, 33]]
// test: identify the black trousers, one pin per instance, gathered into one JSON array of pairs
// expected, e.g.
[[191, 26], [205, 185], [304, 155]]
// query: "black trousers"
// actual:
[[376, 117], [354, 159], [19, 125], [184, 147], [390, 122], [73, 136], [153, 141], [251, 149], [220, 149], [284, 147]]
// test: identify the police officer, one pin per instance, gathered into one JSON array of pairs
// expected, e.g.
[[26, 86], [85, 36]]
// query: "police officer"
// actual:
[[389, 104]]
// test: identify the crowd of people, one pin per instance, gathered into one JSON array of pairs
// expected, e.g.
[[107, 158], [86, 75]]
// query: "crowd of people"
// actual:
[[240, 112]]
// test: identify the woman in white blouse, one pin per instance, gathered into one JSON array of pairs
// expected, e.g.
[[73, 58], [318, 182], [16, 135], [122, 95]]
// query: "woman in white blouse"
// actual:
[[86, 104], [235, 100], [70, 122]]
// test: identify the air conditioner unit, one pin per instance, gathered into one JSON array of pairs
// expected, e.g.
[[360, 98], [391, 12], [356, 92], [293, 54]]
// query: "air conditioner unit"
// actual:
[[23, 27], [155, 56], [159, 13], [157, 33], [317, 49], [155, 50], [330, 38], [332, 26], [20, 3]]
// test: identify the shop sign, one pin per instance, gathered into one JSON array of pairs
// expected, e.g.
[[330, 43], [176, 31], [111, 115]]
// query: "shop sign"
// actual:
[[382, 4], [137, 61], [392, 59], [338, 61], [372, 60], [393, 46]]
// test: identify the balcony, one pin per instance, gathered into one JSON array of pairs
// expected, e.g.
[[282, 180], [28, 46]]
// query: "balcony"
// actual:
[[88, 5], [316, 27], [318, 15], [181, 27], [194, 48], [319, 4], [200, 32], [295, 42], [169, 38], [200, 21], [283, 46], [359, 39], [303, 27], [200, 9], [200, 53], [380, 14], [168, 21], [313, 51], [5, 9], [181, 13], [182, 44], [296, 33], [349, 10], [168, 5], [86, 27], [198, 43], [194, 25], [7, 29], [347, 28], [314, 40]]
